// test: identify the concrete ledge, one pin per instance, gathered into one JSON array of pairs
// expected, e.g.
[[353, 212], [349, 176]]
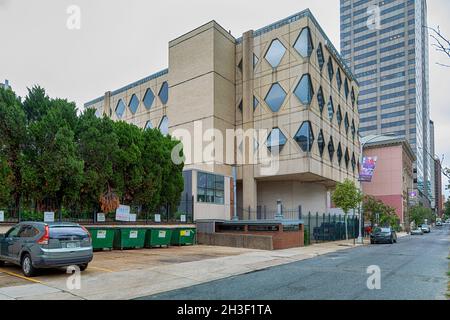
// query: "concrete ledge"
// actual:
[[248, 241]]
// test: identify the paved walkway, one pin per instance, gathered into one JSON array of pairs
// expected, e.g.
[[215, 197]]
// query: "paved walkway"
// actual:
[[152, 279]]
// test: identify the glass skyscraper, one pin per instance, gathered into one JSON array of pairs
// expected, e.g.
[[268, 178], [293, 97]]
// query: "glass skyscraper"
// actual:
[[386, 45]]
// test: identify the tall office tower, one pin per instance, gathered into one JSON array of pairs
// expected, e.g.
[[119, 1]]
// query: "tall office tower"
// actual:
[[386, 45]]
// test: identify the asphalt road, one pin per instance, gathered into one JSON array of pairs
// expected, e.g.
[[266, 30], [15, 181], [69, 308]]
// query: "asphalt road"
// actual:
[[414, 268]]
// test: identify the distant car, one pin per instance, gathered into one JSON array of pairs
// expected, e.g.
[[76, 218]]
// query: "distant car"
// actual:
[[447, 221], [383, 235], [425, 228], [35, 245], [438, 224], [416, 232]]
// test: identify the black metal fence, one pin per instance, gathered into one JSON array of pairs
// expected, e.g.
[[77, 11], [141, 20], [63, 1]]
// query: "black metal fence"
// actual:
[[319, 227], [183, 213]]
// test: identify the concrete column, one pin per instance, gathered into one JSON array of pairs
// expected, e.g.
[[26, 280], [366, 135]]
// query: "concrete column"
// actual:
[[248, 176], [107, 108]]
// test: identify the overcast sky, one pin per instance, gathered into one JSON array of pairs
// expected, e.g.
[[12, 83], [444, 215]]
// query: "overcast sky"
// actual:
[[121, 41]]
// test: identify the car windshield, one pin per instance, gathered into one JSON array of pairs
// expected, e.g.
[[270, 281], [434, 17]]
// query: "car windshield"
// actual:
[[383, 230]]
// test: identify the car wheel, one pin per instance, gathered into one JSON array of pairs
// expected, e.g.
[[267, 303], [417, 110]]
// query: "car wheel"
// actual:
[[2, 263], [83, 266], [392, 241], [27, 266]]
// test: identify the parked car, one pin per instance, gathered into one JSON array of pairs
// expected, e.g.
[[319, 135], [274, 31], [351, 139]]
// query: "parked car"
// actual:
[[438, 224], [383, 235], [35, 245], [416, 232], [425, 228]]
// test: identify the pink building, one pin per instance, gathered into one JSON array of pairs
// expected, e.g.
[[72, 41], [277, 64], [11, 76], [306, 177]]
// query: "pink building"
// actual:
[[392, 181]]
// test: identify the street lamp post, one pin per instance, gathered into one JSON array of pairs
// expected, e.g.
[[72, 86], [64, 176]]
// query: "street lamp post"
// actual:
[[361, 158]]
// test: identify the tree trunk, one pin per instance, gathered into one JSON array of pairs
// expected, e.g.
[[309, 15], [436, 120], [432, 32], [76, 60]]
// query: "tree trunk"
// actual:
[[346, 226]]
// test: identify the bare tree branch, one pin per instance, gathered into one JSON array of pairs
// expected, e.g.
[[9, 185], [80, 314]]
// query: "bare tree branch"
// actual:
[[442, 44]]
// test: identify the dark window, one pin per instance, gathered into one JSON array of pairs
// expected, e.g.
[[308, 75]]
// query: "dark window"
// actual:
[[164, 93], [134, 104], [304, 44], [149, 97], [330, 69], [240, 65], [353, 129], [66, 233], [255, 103], [346, 123], [321, 142], [120, 109], [353, 162], [275, 53], [304, 90], [255, 60], [305, 136], [330, 109], [275, 97], [210, 188], [353, 97], [320, 57], [320, 99], [339, 116], [331, 149], [339, 79], [346, 88], [339, 153], [240, 105], [347, 158]]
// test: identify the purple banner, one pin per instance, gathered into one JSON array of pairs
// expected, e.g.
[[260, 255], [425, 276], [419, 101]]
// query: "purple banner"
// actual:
[[367, 169]]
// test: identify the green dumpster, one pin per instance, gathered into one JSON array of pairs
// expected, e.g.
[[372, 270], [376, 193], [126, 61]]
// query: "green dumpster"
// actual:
[[129, 238], [158, 237], [183, 236], [102, 238]]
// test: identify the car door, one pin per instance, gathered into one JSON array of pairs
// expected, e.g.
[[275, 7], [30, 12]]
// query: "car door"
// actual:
[[24, 235], [8, 242]]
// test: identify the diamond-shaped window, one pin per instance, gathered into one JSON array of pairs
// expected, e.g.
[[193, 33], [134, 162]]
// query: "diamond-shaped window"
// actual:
[[148, 125], [330, 109], [353, 162], [255, 103], [240, 105], [339, 116], [120, 109], [164, 126], [352, 95], [149, 97], [330, 69], [134, 104], [353, 129], [321, 142], [304, 44], [240, 65], [339, 153], [304, 90], [346, 123], [275, 53], [320, 100], [346, 88], [339, 79], [347, 158], [276, 140], [164, 93], [320, 57], [331, 149], [275, 97], [305, 136]]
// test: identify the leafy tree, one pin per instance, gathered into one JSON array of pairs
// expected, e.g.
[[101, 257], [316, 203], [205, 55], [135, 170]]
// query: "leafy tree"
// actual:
[[13, 133], [346, 196], [419, 214], [386, 214], [6, 183]]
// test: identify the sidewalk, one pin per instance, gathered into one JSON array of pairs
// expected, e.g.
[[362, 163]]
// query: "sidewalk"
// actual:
[[150, 280]]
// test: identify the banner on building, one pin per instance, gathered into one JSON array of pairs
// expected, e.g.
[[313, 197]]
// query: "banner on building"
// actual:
[[367, 169]]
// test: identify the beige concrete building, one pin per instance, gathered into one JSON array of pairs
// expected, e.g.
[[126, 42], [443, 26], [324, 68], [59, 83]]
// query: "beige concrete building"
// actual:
[[279, 104]]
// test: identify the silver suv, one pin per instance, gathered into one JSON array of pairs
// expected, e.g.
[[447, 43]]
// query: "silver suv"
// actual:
[[35, 245]]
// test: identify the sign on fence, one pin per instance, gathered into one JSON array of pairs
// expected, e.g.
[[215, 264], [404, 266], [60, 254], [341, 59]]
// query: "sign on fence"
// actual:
[[2, 216], [183, 218], [157, 218], [49, 217], [101, 217], [123, 213]]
